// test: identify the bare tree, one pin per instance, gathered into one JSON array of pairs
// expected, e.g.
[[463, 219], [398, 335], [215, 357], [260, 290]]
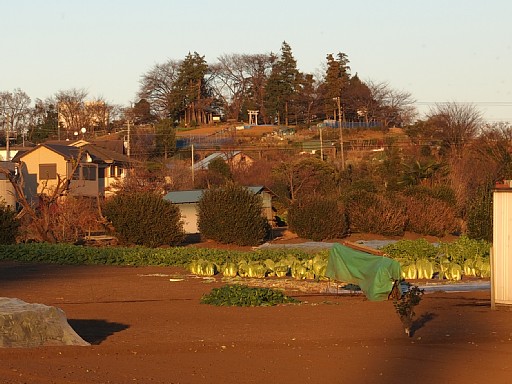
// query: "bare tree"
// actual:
[[493, 145], [239, 79], [15, 111], [97, 114], [391, 106], [71, 110], [156, 86], [456, 123]]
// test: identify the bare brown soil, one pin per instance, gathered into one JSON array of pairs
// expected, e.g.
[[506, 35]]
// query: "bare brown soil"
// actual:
[[146, 325]]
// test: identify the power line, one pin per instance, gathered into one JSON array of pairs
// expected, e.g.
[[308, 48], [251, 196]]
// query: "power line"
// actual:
[[483, 103]]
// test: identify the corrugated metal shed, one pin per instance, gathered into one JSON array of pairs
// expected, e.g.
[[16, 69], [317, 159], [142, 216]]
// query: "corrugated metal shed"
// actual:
[[501, 255]]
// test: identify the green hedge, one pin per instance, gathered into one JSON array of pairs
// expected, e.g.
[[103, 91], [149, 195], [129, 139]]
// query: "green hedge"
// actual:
[[134, 256]]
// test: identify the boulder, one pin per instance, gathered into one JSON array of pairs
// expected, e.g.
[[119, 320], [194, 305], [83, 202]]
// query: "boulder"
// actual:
[[25, 325]]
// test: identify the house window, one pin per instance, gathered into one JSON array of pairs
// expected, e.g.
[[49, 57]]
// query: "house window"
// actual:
[[116, 171], [47, 171], [76, 174], [89, 172]]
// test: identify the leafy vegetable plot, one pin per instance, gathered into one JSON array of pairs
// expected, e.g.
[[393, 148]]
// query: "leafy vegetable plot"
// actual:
[[243, 296]]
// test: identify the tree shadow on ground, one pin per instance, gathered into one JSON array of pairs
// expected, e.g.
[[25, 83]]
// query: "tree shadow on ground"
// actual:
[[95, 331], [421, 321]]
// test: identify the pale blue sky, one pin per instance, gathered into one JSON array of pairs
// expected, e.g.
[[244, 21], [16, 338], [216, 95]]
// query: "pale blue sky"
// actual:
[[438, 50]]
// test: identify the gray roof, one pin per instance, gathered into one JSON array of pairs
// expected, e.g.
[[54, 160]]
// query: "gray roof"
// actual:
[[99, 155], [183, 197], [65, 151], [194, 195], [203, 164]]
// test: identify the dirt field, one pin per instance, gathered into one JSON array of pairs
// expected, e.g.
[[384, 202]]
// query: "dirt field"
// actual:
[[145, 328]]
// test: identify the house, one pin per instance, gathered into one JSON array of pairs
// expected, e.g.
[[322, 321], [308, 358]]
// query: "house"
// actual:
[[13, 150], [233, 158], [188, 202], [7, 193], [44, 165]]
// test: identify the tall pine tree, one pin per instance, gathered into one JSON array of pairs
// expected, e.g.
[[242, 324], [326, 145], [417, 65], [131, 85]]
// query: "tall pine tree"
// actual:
[[190, 95], [282, 85], [336, 80]]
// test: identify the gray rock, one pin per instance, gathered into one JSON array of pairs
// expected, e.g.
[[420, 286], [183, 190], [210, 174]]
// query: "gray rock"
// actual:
[[25, 325]]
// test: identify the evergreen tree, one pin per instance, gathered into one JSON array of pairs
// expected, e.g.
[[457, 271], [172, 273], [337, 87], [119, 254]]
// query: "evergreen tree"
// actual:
[[282, 85], [44, 122], [357, 98], [189, 97], [165, 143], [337, 77]]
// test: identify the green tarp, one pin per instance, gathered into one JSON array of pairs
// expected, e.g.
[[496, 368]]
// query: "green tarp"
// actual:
[[375, 275]]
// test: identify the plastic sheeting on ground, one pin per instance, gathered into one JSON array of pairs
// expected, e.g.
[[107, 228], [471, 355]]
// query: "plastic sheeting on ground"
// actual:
[[375, 275]]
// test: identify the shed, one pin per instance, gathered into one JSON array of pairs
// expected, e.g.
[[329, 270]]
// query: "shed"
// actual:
[[501, 255], [187, 202], [7, 192]]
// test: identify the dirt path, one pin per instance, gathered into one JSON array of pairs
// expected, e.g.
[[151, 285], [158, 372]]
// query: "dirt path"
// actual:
[[145, 328]]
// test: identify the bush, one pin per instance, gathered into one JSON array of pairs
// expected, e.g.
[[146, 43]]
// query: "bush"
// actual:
[[429, 216], [443, 193], [74, 217], [231, 214], [480, 215], [8, 225], [318, 219], [243, 296], [144, 218], [374, 213]]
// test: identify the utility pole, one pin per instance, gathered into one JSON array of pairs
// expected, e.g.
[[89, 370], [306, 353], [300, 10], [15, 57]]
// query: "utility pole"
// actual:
[[7, 139], [192, 153], [338, 99], [128, 140], [321, 145]]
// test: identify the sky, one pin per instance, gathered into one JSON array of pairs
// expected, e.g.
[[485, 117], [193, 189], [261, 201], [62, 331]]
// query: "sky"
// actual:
[[437, 50]]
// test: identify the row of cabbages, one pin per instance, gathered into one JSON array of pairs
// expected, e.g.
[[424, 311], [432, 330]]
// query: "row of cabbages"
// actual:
[[313, 268], [418, 259], [425, 269], [450, 260]]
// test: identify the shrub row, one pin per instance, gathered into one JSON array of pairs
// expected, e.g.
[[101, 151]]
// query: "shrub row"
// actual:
[[419, 210]]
